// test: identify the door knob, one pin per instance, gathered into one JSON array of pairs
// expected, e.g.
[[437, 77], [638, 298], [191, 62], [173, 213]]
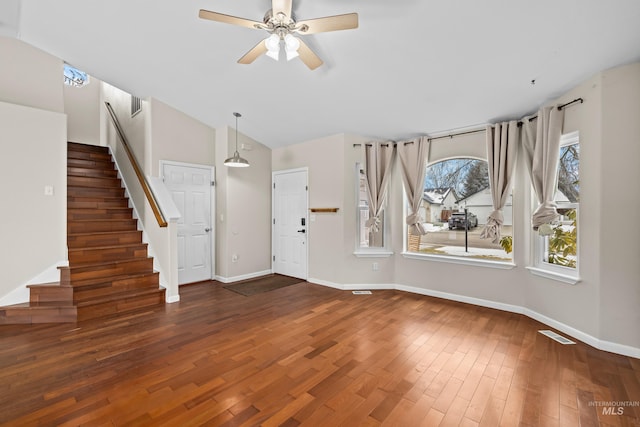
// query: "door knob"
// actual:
[[302, 231], [207, 229]]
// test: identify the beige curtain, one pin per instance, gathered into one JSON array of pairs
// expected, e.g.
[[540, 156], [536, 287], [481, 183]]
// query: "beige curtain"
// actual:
[[502, 149], [378, 161], [413, 155], [541, 144]]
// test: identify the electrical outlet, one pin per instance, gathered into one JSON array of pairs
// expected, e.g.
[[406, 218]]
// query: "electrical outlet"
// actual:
[[375, 266], [48, 190], [234, 258]]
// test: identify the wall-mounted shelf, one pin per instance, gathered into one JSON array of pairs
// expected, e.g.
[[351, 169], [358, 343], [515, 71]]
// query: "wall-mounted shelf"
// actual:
[[324, 210]]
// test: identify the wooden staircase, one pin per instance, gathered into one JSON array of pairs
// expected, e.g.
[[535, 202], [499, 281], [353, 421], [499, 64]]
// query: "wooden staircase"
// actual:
[[109, 269]]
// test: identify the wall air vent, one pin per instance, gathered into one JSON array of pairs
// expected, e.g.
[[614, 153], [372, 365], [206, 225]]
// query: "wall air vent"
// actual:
[[136, 105], [556, 337], [361, 292]]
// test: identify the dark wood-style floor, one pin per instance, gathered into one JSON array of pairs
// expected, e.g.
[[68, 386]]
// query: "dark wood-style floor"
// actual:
[[309, 355]]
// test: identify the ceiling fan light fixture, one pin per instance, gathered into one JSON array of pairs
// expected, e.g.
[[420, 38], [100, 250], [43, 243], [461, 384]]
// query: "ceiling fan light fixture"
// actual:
[[291, 46], [273, 46]]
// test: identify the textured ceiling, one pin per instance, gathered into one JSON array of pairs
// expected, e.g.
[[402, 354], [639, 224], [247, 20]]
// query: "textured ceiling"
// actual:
[[412, 67]]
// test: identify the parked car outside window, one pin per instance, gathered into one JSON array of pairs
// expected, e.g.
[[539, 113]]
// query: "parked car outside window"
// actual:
[[457, 220]]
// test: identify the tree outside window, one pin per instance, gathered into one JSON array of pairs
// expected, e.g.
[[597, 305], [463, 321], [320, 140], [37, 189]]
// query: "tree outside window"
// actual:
[[560, 247]]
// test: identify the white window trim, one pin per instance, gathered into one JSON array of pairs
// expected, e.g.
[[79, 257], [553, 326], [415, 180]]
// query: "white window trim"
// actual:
[[539, 266], [500, 265], [553, 275], [372, 252]]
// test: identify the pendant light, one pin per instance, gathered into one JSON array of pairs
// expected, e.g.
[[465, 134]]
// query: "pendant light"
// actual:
[[236, 161]]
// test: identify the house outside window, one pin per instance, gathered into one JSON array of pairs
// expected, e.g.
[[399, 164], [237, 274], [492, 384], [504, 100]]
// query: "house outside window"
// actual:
[[451, 187], [556, 253]]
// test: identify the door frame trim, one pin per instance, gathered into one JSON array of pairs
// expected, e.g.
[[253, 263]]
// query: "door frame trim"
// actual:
[[304, 169], [212, 208]]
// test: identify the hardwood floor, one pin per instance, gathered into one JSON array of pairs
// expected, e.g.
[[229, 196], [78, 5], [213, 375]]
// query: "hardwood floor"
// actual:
[[309, 355]]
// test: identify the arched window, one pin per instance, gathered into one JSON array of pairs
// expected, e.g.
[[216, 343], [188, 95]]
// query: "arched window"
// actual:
[[455, 205]]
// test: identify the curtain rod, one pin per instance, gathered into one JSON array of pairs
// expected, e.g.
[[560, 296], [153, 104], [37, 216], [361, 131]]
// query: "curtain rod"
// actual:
[[451, 135], [385, 144], [560, 107]]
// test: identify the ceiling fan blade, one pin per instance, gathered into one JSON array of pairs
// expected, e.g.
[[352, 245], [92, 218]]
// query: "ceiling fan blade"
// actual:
[[228, 19], [307, 56], [329, 23], [281, 6], [251, 56]]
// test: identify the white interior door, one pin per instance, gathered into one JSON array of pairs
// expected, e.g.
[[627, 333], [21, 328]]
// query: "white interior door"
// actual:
[[190, 187], [290, 221]]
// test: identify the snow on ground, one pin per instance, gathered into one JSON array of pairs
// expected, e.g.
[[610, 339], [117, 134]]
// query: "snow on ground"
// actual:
[[473, 252], [433, 227]]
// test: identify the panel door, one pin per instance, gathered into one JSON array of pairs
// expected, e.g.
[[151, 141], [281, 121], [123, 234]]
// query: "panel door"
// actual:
[[290, 205], [191, 191]]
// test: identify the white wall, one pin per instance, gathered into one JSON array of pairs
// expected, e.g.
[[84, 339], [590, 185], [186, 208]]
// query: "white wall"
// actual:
[[243, 209], [30, 77], [179, 138], [32, 225], [619, 250], [33, 144], [82, 106]]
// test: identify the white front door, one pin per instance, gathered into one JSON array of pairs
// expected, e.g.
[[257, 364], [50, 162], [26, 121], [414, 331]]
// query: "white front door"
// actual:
[[290, 223], [190, 187]]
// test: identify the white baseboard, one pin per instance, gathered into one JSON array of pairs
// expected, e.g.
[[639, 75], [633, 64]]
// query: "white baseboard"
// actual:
[[625, 350], [612, 347], [243, 276]]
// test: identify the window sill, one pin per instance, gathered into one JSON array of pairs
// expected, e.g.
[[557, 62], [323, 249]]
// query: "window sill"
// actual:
[[461, 260], [572, 280], [373, 254]]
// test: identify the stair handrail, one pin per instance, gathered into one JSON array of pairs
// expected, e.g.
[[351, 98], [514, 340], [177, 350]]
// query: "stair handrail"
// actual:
[[136, 167]]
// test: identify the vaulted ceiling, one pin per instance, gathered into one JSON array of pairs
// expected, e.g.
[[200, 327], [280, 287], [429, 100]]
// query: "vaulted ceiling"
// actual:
[[412, 67]]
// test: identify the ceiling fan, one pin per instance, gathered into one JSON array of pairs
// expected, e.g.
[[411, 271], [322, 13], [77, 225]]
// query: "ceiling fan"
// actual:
[[280, 23]]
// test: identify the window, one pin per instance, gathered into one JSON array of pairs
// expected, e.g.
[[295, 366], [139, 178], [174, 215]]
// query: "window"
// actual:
[[368, 243], [455, 205], [556, 253], [74, 77]]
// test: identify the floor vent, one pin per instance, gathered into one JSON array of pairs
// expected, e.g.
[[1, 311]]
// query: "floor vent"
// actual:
[[556, 337], [361, 292]]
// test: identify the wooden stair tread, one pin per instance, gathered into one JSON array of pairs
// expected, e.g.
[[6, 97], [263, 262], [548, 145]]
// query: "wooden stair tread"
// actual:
[[47, 285], [113, 297], [101, 220], [97, 284], [106, 233], [39, 305], [95, 248], [86, 147], [106, 263], [106, 208]]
